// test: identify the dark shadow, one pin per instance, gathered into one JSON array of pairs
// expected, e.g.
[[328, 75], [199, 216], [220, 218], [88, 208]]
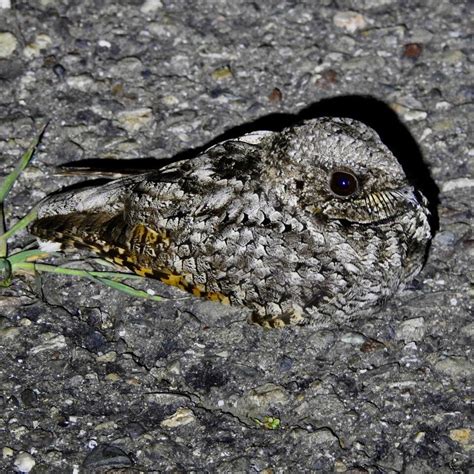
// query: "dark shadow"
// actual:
[[369, 110]]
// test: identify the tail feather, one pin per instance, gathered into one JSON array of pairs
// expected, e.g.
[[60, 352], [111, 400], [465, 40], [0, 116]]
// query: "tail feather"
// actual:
[[134, 247], [78, 230]]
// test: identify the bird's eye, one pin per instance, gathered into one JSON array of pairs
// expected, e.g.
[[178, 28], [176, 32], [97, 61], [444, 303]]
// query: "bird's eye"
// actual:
[[343, 183]]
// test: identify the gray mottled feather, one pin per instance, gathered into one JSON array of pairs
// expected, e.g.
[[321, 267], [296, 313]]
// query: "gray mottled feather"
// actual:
[[255, 221]]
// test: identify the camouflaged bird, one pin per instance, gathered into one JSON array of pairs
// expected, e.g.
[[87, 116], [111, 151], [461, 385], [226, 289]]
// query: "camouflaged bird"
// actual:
[[316, 221]]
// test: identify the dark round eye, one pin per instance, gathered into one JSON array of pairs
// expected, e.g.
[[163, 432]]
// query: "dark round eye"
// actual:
[[343, 183]]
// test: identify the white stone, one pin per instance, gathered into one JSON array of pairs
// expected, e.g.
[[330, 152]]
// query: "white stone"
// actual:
[[411, 330], [426, 133], [104, 44], [410, 115], [110, 356], [266, 395], [7, 452], [170, 100], [92, 444], [350, 21], [183, 416], [5, 4], [353, 338], [82, 82], [133, 120], [377, 3], [51, 342], [150, 6], [7, 44], [24, 462], [443, 105], [458, 183], [41, 42], [9, 333], [419, 437]]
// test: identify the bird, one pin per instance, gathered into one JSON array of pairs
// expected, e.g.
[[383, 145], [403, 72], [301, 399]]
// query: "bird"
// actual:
[[315, 222]]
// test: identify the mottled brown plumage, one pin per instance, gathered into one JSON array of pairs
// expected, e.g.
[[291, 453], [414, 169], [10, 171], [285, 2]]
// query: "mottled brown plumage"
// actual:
[[316, 221]]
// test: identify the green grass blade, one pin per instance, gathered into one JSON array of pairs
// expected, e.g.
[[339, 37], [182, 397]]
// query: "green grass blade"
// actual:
[[129, 290], [7, 185], [9, 180], [106, 278], [21, 224], [46, 267], [24, 255]]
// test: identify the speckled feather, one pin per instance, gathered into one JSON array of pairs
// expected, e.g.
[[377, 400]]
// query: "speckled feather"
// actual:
[[253, 221]]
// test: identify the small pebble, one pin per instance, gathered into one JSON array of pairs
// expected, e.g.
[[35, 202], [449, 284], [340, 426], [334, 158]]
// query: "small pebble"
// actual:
[[411, 330], [222, 73], [134, 430], [7, 452], [321, 436], [24, 462], [40, 43], [353, 338], [82, 82], [461, 435], [150, 6], [446, 238], [457, 183], [420, 436], [104, 44], [412, 50], [134, 120], [59, 70], [275, 95], [8, 44], [51, 342], [106, 457], [110, 356], [409, 115], [443, 105], [350, 21], [106, 426], [9, 333], [327, 79], [339, 466], [112, 377], [170, 100], [371, 345], [183, 416], [453, 58], [267, 395], [457, 368]]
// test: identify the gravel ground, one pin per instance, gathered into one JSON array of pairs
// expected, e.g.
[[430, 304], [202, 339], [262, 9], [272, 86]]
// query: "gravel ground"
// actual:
[[92, 380]]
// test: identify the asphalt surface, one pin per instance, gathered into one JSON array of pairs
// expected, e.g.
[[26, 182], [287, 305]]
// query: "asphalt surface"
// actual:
[[92, 380]]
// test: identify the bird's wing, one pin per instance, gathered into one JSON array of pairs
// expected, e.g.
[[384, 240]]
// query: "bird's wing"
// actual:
[[142, 222]]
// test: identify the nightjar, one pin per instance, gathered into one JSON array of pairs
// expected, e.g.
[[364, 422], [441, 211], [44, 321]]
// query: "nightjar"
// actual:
[[313, 222]]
